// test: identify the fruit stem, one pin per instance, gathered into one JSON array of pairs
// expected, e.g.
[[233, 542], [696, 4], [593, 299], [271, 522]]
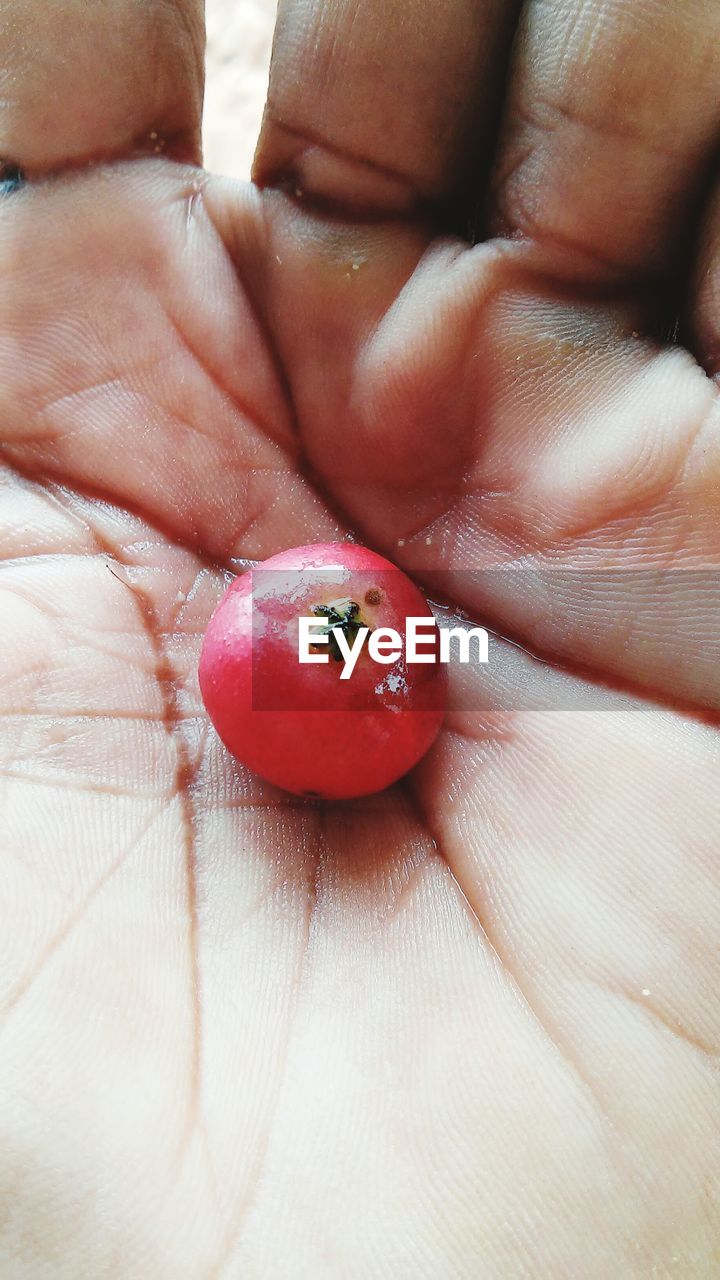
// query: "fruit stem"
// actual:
[[343, 614]]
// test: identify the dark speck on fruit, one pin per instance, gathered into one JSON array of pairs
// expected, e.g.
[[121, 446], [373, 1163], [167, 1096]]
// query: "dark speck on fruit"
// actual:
[[373, 596]]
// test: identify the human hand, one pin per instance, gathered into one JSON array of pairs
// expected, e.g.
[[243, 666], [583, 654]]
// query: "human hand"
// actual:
[[467, 1027]]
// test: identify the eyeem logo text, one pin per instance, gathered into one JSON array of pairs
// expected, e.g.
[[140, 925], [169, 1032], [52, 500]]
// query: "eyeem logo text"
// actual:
[[386, 645]]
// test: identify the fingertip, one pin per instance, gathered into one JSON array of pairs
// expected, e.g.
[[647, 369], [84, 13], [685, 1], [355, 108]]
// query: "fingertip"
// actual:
[[100, 82]]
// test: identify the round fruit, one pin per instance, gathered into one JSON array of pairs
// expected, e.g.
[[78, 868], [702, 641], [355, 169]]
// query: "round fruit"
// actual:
[[316, 727]]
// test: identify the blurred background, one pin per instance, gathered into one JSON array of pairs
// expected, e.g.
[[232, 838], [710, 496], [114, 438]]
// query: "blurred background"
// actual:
[[238, 56]]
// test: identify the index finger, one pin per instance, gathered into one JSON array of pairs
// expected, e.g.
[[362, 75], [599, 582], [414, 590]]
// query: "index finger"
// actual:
[[97, 81]]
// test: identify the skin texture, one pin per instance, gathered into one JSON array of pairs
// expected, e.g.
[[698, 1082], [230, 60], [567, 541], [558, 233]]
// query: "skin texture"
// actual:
[[470, 1027]]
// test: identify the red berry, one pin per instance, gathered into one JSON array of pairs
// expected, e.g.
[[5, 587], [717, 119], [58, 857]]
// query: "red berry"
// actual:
[[304, 727]]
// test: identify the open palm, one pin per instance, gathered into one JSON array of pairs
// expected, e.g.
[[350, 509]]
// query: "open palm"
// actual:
[[468, 1027]]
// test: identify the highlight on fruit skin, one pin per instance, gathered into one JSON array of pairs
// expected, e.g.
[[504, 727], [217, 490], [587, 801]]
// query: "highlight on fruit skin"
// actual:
[[303, 725]]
